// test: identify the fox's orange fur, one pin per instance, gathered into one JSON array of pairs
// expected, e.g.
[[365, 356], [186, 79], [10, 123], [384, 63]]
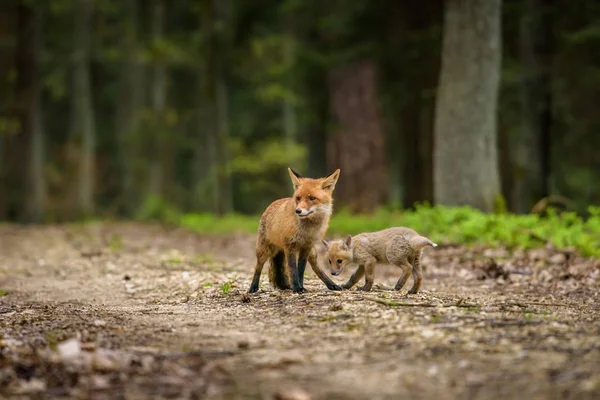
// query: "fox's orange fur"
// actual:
[[288, 230]]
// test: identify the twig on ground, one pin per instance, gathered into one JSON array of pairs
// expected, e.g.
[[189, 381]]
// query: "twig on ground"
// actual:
[[524, 304], [193, 353], [393, 303], [513, 323]]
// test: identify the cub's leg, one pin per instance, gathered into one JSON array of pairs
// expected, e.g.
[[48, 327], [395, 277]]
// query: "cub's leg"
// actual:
[[406, 272], [360, 271], [417, 275], [369, 276]]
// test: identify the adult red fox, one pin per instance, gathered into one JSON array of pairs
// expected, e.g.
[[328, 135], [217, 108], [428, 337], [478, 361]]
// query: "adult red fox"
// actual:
[[289, 229]]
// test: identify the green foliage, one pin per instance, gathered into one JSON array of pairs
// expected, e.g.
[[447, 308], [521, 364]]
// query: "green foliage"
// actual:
[[463, 225], [226, 286], [266, 157], [261, 172], [211, 224], [500, 206], [157, 208]]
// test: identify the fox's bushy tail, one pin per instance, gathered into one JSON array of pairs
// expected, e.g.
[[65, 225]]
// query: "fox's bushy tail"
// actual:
[[419, 242], [278, 272]]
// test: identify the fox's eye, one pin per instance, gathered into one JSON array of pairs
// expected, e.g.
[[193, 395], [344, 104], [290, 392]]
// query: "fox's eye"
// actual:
[[339, 261], [329, 262], [297, 198], [311, 198]]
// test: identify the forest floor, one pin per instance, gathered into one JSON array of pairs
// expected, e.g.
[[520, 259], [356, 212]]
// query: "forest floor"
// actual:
[[132, 311]]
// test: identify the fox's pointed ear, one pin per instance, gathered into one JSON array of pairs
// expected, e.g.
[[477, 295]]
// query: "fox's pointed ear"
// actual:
[[326, 244], [331, 180], [295, 173], [348, 241], [295, 178]]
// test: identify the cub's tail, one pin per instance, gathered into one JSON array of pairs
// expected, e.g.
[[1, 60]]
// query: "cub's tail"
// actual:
[[418, 242]]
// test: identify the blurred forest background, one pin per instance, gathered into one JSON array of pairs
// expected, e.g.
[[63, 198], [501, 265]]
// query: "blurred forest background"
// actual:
[[120, 107]]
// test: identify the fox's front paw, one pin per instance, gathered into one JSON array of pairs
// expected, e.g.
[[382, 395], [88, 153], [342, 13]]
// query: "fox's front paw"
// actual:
[[364, 288], [253, 289], [300, 290], [413, 291], [335, 287]]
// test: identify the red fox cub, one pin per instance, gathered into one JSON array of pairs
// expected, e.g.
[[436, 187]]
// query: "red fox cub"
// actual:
[[288, 230], [398, 246]]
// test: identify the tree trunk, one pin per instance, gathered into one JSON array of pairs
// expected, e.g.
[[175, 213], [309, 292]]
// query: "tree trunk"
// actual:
[[528, 183], [84, 122], [129, 106], [216, 90], [28, 194], [357, 143], [465, 158], [159, 93], [8, 12], [37, 150], [289, 114]]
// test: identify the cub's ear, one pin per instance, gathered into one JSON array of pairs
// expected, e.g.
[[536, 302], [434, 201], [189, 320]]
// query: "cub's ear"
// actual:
[[326, 244], [295, 178], [329, 182], [348, 241]]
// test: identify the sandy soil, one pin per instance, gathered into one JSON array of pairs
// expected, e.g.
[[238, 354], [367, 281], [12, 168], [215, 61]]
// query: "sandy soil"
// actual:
[[130, 311]]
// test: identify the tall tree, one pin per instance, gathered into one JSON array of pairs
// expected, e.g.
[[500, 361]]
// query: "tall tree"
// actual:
[[357, 143], [28, 151], [413, 26], [465, 151], [289, 113], [217, 13], [161, 153], [7, 118], [530, 149], [82, 106], [130, 96], [37, 150]]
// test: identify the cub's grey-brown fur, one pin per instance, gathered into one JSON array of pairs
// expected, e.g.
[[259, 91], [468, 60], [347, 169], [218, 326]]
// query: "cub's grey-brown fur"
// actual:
[[399, 246]]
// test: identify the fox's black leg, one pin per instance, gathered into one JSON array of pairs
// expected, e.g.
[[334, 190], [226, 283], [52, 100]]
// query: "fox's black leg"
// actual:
[[293, 268], [302, 258], [261, 258]]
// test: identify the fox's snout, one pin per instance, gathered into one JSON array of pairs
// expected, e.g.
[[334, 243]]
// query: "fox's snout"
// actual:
[[303, 212]]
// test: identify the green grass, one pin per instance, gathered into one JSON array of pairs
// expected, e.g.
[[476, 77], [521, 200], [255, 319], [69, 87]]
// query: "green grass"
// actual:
[[226, 287], [461, 225]]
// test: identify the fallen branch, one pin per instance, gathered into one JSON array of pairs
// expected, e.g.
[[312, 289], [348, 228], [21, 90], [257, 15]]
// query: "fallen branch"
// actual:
[[513, 323], [193, 353], [524, 304], [394, 303]]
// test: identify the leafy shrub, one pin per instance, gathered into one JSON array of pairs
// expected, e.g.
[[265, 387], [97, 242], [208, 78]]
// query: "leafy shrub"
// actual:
[[157, 208], [462, 225]]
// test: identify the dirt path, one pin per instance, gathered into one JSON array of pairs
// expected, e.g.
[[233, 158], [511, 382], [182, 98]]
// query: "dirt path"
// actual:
[[139, 311]]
